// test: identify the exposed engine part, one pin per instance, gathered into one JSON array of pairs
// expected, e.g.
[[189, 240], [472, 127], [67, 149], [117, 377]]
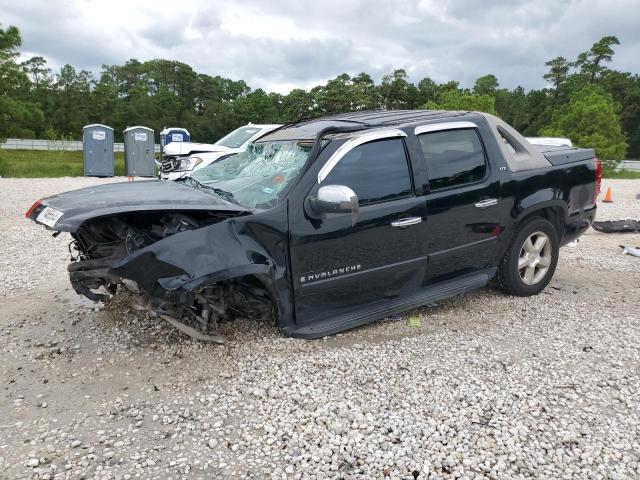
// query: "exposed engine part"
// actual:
[[215, 304], [101, 244], [212, 305], [121, 235]]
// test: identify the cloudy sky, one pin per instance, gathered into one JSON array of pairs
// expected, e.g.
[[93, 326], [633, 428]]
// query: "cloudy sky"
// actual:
[[284, 44]]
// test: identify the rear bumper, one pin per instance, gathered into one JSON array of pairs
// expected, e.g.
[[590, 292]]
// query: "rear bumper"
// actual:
[[579, 222]]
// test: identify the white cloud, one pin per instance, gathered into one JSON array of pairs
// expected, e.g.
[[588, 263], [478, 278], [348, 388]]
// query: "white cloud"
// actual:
[[239, 21], [284, 44]]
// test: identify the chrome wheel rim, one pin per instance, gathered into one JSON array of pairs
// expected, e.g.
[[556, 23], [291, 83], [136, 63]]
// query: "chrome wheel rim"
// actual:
[[535, 258]]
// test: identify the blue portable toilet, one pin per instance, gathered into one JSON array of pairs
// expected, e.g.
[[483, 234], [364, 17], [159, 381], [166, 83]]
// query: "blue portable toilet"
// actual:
[[173, 134]]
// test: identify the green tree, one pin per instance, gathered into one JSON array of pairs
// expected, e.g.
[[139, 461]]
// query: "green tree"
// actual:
[[38, 72], [590, 120], [427, 91], [106, 99], [344, 94], [512, 107], [296, 105], [540, 106], [591, 63], [558, 74], [396, 91], [18, 116], [72, 106], [364, 93], [486, 85], [215, 120], [336, 96], [257, 107], [456, 100], [450, 86], [39, 90], [625, 89]]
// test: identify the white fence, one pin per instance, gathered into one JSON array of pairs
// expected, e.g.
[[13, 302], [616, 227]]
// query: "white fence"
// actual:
[[629, 165], [69, 145]]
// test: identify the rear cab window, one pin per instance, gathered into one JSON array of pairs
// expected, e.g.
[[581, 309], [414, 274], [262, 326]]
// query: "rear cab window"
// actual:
[[377, 171], [453, 157]]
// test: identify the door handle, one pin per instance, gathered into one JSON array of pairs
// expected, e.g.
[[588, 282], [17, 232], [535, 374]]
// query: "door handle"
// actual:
[[406, 222], [489, 202]]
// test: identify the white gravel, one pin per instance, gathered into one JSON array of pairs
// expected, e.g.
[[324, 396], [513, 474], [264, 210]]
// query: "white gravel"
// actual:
[[488, 387], [625, 204]]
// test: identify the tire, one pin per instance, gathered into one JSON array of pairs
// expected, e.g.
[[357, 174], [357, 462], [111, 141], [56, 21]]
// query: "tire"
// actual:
[[530, 262]]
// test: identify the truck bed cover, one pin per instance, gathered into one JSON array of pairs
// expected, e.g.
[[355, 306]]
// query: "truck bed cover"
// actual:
[[563, 155]]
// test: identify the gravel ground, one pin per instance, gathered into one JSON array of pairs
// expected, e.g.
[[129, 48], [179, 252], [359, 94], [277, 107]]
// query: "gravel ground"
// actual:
[[488, 386]]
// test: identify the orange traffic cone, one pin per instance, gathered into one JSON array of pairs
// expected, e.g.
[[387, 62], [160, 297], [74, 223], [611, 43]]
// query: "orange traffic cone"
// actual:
[[608, 198]]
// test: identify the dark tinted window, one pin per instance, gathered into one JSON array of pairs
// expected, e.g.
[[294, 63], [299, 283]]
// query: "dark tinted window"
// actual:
[[454, 157], [375, 171]]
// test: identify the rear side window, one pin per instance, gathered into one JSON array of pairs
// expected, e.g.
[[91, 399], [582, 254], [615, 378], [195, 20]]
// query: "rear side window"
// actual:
[[454, 157], [376, 171]]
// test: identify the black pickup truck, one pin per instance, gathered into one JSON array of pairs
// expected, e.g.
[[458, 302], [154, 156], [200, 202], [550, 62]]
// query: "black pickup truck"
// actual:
[[331, 223]]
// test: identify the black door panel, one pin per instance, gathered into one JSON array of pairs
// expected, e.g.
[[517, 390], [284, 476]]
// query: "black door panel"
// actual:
[[337, 266], [464, 210]]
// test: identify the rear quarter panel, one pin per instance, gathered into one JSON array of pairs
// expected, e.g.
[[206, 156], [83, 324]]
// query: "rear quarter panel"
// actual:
[[567, 188]]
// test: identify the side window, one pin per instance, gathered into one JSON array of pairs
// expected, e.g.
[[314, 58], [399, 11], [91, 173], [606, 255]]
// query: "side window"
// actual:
[[376, 171], [453, 157]]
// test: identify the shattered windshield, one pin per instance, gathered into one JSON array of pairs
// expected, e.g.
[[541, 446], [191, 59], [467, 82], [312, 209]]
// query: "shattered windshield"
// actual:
[[238, 137], [257, 177]]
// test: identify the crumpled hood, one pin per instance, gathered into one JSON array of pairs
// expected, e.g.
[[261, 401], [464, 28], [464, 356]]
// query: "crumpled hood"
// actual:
[[148, 195], [221, 251], [186, 148]]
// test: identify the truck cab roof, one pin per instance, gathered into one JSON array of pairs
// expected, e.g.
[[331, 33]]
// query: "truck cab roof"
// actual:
[[519, 153], [308, 129]]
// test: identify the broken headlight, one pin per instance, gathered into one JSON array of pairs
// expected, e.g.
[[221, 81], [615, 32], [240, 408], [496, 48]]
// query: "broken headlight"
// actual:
[[187, 164]]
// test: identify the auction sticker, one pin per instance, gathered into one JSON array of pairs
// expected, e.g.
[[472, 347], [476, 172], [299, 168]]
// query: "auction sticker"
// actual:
[[49, 216]]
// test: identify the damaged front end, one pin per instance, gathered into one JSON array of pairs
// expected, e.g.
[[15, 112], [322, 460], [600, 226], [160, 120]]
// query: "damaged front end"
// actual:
[[185, 268], [196, 252]]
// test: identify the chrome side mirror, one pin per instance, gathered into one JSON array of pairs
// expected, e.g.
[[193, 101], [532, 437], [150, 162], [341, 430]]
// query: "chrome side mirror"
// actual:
[[335, 199]]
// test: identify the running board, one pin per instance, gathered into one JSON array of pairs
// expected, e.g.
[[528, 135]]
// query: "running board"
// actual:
[[382, 309]]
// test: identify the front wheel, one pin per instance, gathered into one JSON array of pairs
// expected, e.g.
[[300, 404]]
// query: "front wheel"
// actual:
[[531, 260]]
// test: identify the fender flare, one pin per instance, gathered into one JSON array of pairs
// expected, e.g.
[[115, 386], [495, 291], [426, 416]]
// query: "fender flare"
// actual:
[[540, 200]]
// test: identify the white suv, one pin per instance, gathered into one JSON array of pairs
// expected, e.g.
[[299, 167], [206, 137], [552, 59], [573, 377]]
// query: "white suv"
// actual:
[[181, 159]]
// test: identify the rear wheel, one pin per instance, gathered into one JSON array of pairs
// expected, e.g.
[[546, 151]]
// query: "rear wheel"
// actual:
[[531, 260]]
